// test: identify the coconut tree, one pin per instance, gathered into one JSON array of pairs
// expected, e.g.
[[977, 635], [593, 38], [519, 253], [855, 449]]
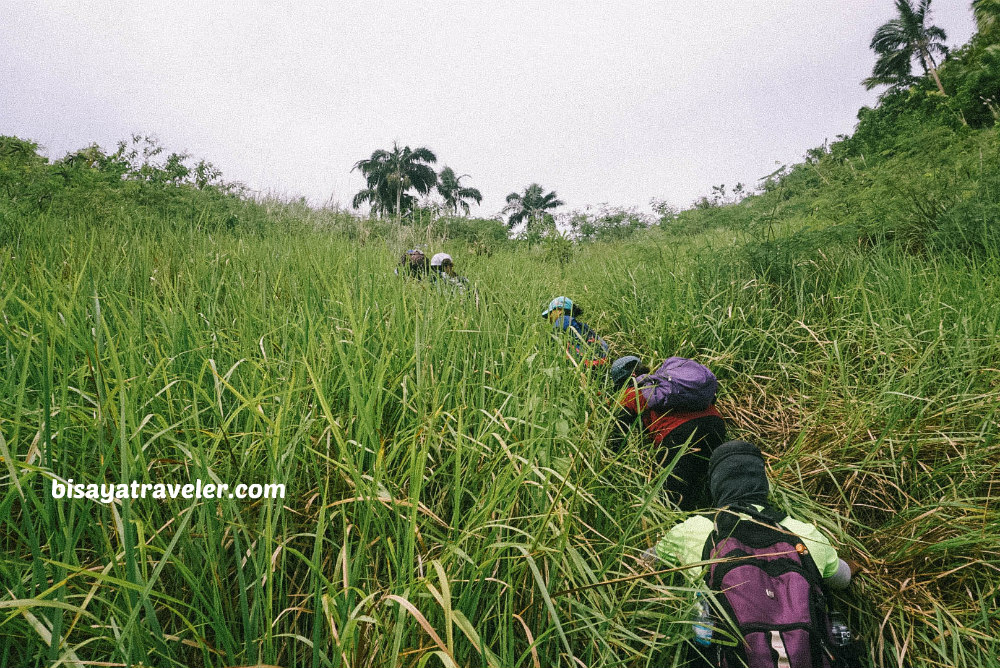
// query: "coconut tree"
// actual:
[[530, 206], [898, 41], [987, 15], [455, 196], [392, 174]]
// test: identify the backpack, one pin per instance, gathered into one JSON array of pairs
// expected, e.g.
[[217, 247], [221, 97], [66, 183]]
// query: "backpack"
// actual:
[[679, 384], [768, 594], [413, 263]]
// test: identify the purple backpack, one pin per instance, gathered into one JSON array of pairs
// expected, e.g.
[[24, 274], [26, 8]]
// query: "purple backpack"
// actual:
[[679, 384], [768, 586]]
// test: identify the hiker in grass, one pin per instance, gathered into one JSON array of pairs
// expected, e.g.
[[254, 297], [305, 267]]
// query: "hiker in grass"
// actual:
[[584, 345], [414, 264], [443, 272], [694, 424], [769, 577]]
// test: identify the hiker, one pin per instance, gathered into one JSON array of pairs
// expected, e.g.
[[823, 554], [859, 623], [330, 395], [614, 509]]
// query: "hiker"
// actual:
[[585, 346], [413, 263], [695, 424], [776, 599], [443, 272]]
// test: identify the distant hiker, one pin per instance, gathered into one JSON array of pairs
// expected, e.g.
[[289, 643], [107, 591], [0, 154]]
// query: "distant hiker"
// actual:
[[584, 346], [770, 577], [443, 264], [675, 406], [414, 264], [443, 272]]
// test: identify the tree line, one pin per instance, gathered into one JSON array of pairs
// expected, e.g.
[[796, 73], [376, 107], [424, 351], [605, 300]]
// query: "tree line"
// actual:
[[392, 175]]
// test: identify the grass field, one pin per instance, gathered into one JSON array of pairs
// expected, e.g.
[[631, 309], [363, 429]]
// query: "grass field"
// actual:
[[447, 484]]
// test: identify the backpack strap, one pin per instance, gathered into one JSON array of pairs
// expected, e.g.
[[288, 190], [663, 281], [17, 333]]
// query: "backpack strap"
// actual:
[[773, 514], [770, 516], [723, 522]]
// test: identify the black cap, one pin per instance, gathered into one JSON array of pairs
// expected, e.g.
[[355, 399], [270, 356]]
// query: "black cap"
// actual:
[[737, 474]]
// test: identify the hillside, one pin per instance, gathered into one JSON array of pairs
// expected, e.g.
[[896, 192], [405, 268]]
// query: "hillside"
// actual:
[[450, 499]]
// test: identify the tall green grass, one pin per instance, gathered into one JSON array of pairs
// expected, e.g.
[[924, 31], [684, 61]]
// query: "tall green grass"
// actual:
[[450, 501]]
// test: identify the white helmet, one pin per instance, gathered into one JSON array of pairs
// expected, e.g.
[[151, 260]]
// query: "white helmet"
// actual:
[[439, 259]]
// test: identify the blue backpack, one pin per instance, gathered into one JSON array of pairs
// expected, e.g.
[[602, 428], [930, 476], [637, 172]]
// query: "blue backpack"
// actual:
[[679, 385]]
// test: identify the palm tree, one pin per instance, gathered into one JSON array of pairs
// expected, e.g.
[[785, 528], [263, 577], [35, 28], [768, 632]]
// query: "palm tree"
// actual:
[[898, 41], [450, 188], [390, 174], [530, 206], [987, 15]]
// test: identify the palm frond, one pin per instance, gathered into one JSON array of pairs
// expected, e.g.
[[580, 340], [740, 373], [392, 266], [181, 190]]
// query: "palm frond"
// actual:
[[470, 193], [889, 36], [366, 195], [422, 154], [901, 40], [936, 34]]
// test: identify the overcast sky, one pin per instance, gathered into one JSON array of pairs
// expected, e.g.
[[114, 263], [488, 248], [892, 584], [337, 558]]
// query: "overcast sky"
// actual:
[[599, 101]]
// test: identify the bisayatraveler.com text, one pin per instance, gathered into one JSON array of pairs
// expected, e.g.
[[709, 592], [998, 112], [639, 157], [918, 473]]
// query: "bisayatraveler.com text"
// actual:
[[109, 492]]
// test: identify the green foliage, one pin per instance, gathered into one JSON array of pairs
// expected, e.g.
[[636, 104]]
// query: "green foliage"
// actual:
[[487, 233], [607, 223], [972, 77], [987, 13], [132, 182], [558, 247], [25, 177], [914, 175]]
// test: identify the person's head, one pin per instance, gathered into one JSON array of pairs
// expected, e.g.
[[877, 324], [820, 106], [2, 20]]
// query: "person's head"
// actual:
[[737, 475], [559, 307], [414, 263], [442, 263], [624, 368]]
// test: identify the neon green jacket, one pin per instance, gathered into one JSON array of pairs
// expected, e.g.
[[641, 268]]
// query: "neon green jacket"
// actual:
[[684, 544]]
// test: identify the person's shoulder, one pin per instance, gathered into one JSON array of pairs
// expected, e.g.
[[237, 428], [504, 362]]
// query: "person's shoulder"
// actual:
[[698, 523], [697, 526], [685, 540], [564, 322], [804, 529], [823, 552]]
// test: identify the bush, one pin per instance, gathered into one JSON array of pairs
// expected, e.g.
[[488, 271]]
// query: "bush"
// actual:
[[609, 223], [488, 232], [26, 178]]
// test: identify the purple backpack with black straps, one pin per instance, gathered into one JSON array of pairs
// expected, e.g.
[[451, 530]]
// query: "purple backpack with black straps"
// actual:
[[768, 597], [679, 384]]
